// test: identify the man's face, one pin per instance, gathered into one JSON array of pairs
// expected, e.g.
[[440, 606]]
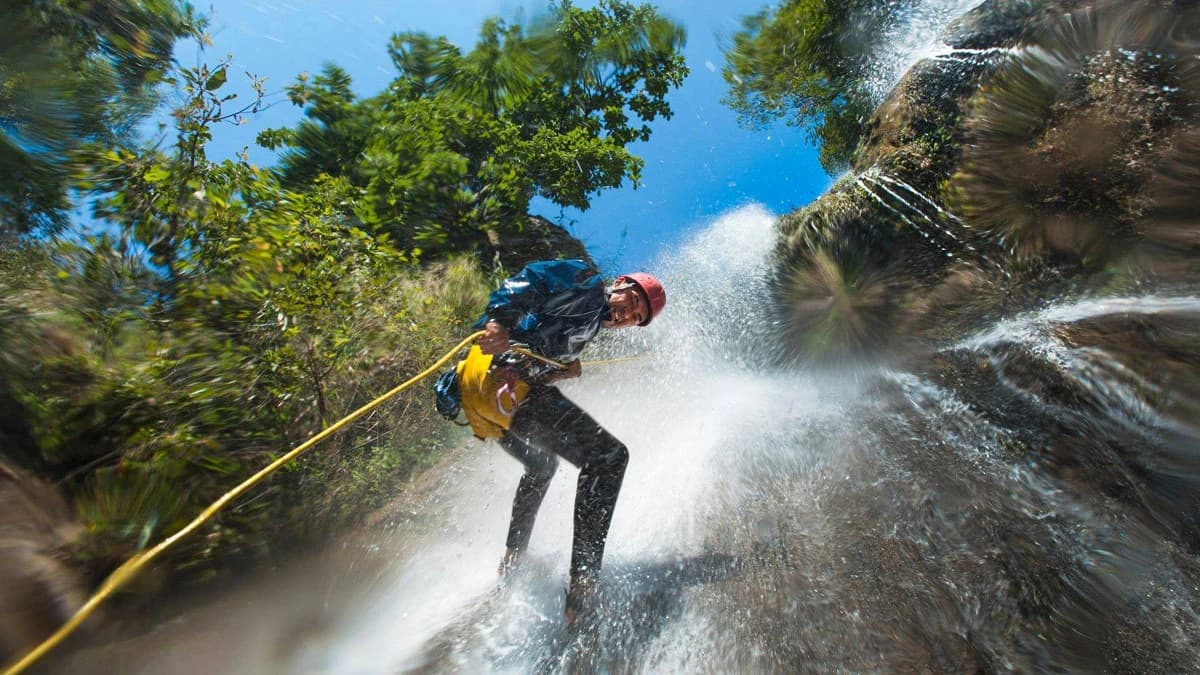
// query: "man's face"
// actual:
[[626, 308]]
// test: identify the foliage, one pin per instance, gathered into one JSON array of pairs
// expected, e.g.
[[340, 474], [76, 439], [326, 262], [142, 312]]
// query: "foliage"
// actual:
[[172, 202], [218, 321], [804, 61], [72, 72], [333, 137], [459, 143], [223, 313]]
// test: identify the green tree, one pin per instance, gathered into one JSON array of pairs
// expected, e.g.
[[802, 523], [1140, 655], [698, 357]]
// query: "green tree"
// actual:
[[424, 64], [497, 74], [602, 64], [175, 202], [331, 140], [221, 319], [460, 143], [441, 173], [73, 72], [805, 62]]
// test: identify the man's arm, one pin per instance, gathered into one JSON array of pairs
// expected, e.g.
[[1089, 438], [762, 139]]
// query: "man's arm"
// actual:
[[526, 291]]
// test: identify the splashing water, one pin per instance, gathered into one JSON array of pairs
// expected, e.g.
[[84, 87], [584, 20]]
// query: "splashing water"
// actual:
[[880, 189], [944, 229], [917, 36], [1029, 326]]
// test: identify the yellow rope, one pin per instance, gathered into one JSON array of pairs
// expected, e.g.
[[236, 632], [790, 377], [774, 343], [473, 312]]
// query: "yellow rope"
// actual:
[[563, 366], [131, 567], [539, 357], [620, 359]]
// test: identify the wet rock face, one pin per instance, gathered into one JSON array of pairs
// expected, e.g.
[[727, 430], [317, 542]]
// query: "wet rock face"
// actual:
[[1004, 23], [1067, 135], [39, 588], [1049, 150]]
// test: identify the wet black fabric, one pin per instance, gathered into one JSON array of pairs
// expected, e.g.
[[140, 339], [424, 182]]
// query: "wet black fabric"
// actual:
[[549, 424], [554, 307], [449, 398]]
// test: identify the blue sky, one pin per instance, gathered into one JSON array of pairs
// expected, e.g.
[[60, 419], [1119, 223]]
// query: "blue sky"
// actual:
[[699, 164]]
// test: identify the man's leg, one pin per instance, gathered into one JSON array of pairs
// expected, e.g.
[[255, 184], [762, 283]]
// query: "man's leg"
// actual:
[[539, 469], [551, 421]]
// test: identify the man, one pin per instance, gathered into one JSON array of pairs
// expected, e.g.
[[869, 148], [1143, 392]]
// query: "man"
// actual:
[[554, 308]]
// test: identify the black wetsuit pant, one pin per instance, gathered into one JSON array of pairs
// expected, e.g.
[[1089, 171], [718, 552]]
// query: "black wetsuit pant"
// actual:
[[549, 424]]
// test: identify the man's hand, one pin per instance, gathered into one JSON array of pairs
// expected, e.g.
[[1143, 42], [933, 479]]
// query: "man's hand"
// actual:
[[495, 340], [574, 369]]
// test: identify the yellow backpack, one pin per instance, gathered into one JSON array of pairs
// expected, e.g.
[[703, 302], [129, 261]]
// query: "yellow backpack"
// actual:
[[490, 396]]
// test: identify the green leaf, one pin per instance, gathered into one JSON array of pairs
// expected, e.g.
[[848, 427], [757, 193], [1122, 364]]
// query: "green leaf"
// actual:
[[215, 80], [156, 175]]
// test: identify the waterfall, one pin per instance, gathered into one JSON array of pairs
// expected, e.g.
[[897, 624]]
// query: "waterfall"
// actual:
[[915, 36], [780, 520], [693, 418]]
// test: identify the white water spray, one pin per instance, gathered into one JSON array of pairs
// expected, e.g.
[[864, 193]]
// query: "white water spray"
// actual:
[[684, 412], [917, 36]]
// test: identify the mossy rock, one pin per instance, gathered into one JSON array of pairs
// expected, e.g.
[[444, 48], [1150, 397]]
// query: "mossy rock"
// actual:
[[851, 265], [539, 240], [1060, 156], [1065, 140]]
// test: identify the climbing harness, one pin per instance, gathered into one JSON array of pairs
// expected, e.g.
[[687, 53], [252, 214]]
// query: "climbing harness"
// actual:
[[489, 393]]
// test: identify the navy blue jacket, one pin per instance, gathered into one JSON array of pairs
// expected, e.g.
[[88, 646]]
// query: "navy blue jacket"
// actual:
[[553, 306]]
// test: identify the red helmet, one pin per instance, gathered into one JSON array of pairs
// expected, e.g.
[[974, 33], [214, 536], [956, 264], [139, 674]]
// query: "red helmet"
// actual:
[[653, 291]]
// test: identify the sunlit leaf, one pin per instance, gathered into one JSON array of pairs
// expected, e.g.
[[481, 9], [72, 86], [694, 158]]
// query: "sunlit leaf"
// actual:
[[216, 80], [156, 175]]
